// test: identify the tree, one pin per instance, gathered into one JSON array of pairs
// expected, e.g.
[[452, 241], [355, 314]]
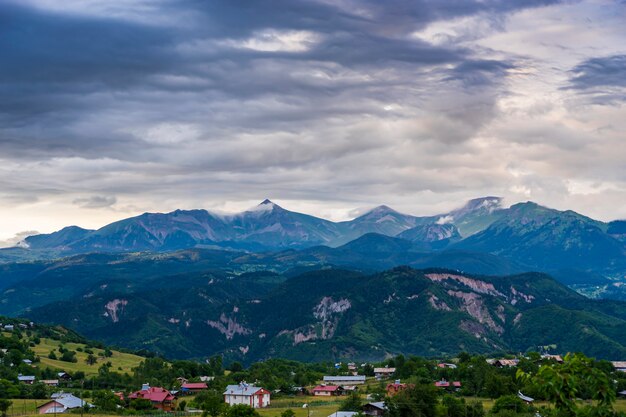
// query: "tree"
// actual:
[[510, 402], [212, 402], [105, 400], [352, 403], [91, 359], [4, 406], [417, 401], [562, 383], [241, 410], [288, 413]]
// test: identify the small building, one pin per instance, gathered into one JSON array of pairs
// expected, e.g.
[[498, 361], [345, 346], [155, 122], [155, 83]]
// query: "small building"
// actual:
[[64, 376], [27, 361], [395, 387], [556, 358], [50, 382], [446, 365], [375, 409], [448, 385], [206, 378], [619, 365], [62, 403], [525, 398], [385, 372], [192, 387], [505, 363], [345, 380], [343, 414], [327, 390], [347, 389], [255, 397], [26, 379], [158, 396], [9, 327]]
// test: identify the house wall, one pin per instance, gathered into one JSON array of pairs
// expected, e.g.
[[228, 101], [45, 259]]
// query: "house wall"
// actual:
[[322, 393], [48, 406], [255, 401]]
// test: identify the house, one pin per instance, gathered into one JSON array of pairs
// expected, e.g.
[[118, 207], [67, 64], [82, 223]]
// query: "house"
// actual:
[[446, 365], [619, 366], [255, 397], [327, 390], [556, 358], [9, 327], [64, 376], [50, 382], [345, 380], [160, 397], [448, 385], [375, 409], [182, 380], [299, 391], [27, 361], [61, 403], [26, 379], [206, 378], [347, 389], [352, 366], [385, 372], [343, 414], [505, 363], [395, 387], [191, 387]]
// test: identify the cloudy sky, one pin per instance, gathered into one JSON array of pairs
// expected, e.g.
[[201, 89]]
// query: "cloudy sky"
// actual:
[[109, 108]]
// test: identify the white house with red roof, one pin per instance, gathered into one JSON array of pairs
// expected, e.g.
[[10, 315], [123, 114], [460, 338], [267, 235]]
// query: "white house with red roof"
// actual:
[[255, 397], [159, 397]]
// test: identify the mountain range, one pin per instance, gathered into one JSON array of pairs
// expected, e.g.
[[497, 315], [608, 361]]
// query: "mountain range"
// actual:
[[271, 282], [264, 227], [523, 237]]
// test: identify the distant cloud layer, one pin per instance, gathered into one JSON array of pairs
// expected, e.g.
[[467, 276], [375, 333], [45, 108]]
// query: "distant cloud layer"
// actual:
[[111, 108]]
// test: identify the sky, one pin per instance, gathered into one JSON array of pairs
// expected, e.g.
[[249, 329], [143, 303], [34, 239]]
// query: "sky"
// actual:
[[111, 108]]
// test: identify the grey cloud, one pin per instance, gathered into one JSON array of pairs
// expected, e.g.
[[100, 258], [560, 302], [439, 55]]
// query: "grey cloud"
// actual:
[[95, 202], [602, 78]]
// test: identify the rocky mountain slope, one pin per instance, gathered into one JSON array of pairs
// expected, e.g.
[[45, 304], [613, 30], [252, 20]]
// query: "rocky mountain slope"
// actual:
[[333, 314]]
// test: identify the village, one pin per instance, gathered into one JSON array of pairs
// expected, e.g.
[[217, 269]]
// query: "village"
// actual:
[[327, 396], [42, 372]]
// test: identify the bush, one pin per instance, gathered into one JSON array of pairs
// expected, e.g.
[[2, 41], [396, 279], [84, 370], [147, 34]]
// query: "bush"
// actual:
[[510, 403]]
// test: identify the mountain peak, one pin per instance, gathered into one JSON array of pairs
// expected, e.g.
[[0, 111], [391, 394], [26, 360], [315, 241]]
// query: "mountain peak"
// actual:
[[380, 210], [266, 202], [488, 204]]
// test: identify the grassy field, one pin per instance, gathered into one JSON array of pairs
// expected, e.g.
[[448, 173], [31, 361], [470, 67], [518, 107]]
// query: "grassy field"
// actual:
[[122, 362], [22, 407]]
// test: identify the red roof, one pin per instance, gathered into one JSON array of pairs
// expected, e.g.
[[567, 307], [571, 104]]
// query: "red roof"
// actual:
[[194, 385], [154, 394], [326, 388]]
